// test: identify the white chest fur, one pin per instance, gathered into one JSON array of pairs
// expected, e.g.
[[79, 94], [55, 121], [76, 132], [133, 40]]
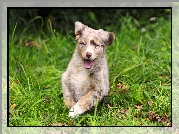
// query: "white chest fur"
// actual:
[[81, 76], [81, 81]]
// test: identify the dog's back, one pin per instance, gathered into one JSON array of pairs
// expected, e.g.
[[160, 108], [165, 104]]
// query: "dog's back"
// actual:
[[86, 78]]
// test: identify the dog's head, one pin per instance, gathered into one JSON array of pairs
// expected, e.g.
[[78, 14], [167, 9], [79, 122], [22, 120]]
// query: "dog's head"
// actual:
[[91, 43]]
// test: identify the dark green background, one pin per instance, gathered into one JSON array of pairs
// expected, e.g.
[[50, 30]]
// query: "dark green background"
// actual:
[[63, 19]]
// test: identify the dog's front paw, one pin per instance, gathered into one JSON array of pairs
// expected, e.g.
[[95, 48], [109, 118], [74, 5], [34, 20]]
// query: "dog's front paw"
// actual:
[[72, 113], [75, 111]]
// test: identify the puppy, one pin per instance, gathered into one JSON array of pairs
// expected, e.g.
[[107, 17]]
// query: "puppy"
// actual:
[[85, 82]]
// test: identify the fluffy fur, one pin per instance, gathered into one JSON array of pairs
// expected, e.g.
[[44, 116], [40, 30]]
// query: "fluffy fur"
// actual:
[[86, 79]]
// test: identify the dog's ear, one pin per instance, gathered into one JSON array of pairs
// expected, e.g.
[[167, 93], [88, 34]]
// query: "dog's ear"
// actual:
[[79, 27], [111, 37], [107, 37]]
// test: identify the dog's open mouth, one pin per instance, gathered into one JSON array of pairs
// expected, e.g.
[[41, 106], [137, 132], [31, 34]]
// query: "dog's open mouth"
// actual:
[[88, 63]]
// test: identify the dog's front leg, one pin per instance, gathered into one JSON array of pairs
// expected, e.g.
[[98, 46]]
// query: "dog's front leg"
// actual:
[[67, 94], [68, 98], [85, 103]]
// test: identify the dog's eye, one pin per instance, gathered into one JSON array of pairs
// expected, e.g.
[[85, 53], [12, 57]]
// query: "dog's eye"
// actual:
[[82, 44], [96, 46]]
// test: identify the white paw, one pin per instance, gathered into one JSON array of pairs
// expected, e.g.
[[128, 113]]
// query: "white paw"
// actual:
[[75, 111], [72, 114]]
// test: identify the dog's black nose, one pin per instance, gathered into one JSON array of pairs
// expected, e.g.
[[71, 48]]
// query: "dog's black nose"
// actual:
[[88, 55]]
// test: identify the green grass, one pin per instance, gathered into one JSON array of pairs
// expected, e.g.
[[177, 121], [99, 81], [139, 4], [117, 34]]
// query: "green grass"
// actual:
[[139, 61]]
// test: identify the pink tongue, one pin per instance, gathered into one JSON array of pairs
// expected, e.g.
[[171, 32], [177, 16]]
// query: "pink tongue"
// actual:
[[88, 64]]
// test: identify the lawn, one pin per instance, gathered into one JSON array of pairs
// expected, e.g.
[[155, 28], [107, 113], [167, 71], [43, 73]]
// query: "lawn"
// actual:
[[139, 64]]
